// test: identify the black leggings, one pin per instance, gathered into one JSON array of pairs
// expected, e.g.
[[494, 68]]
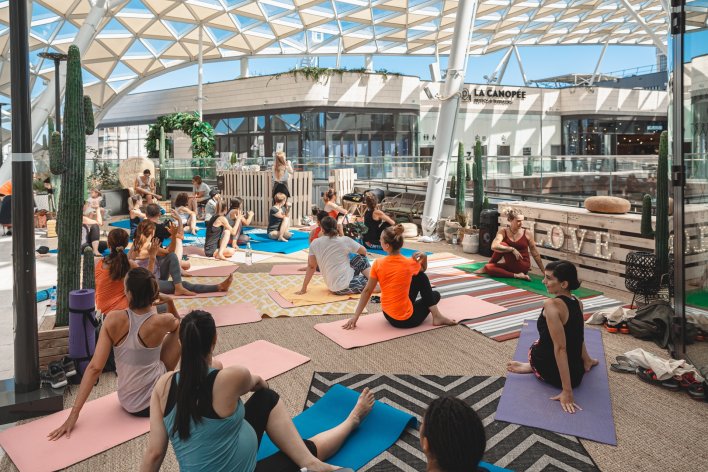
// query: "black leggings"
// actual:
[[421, 308], [258, 409], [93, 234], [170, 268]]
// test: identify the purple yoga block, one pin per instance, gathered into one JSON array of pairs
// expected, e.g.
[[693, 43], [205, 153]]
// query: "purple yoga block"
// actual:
[[82, 334]]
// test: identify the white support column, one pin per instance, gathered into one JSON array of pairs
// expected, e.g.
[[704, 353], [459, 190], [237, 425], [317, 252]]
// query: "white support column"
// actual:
[[369, 62], [599, 62], [654, 37], [86, 34], [200, 74], [499, 72], [521, 65], [244, 68], [455, 79], [339, 51]]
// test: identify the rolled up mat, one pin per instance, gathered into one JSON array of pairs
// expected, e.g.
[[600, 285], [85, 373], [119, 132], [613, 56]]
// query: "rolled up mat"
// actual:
[[82, 327]]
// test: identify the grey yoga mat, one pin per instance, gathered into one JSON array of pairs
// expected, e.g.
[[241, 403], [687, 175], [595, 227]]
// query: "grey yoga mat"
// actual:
[[526, 400]]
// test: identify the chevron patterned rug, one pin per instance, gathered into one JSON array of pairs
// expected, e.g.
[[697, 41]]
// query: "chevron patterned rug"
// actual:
[[511, 446]]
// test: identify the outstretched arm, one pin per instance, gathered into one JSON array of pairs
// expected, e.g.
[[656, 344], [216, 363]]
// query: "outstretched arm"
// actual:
[[533, 249], [363, 300], [555, 328], [311, 269]]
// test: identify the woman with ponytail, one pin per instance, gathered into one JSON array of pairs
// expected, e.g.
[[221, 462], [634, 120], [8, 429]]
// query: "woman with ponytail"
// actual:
[[401, 280], [110, 272], [136, 213], [200, 411], [145, 344], [376, 221]]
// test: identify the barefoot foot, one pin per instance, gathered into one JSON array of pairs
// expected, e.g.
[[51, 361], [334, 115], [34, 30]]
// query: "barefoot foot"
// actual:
[[522, 276], [519, 367], [441, 320], [362, 408], [224, 286], [181, 291], [589, 364]]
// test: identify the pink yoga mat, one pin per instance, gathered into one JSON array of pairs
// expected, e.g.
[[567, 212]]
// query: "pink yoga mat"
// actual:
[[200, 295], [467, 307], [103, 424], [193, 251], [280, 300], [213, 271], [370, 329], [289, 269], [233, 314]]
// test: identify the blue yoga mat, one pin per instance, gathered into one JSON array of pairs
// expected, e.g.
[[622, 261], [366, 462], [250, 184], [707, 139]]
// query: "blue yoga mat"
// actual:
[[379, 430], [525, 399], [404, 252], [261, 242]]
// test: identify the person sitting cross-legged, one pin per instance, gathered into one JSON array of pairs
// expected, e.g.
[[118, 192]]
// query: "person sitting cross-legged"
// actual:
[[342, 274], [402, 279], [200, 411], [559, 356], [279, 219], [187, 216]]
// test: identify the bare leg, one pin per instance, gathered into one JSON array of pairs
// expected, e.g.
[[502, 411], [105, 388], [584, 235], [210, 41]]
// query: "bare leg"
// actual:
[[283, 234], [328, 442], [148, 198], [439, 319], [193, 223], [282, 432], [171, 351], [94, 246], [223, 245], [588, 362], [519, 367]]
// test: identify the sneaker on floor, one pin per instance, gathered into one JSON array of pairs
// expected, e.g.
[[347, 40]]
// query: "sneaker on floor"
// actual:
[[68, 366], [53, 376]]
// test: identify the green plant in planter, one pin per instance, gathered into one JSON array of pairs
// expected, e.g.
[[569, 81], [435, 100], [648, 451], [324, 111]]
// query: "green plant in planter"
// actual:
[[477, 177], [646, 230], [88, 277], [103, 177], [460, 215], [661, 241], [201, 132], [67, 157]]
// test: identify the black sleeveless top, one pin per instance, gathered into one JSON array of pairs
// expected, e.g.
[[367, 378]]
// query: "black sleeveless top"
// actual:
[[204, 403], [213, 235], [543, 358], [373, 235]]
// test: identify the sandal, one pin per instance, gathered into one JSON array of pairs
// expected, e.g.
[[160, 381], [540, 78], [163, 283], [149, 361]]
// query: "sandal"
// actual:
[[612, 328], [648, 376], [624, 365]]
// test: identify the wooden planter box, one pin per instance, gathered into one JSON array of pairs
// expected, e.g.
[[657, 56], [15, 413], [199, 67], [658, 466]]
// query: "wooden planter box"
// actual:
[[53, 342]]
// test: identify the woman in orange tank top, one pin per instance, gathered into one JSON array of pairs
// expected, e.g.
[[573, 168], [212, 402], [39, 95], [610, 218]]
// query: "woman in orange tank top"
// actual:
[[110, 272], [512, 248], [401, 280]]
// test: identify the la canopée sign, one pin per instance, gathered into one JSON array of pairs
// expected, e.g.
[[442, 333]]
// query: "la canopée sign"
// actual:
[[492, 95]]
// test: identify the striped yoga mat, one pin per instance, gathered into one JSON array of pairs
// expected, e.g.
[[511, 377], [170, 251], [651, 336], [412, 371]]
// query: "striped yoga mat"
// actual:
[[521, 305]]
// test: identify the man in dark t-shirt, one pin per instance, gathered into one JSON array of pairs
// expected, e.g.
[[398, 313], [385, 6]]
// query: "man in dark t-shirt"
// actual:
[[278, 220]]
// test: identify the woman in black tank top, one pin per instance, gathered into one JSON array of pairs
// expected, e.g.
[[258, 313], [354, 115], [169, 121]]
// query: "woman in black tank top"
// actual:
[[376, 221], [559, 356]]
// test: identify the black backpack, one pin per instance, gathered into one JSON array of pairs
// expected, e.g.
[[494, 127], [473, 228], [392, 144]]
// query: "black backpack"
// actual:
[[653, 322]]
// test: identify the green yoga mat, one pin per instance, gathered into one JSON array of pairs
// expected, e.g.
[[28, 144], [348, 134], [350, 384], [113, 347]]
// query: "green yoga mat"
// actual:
[[534, 285], [697, 298]]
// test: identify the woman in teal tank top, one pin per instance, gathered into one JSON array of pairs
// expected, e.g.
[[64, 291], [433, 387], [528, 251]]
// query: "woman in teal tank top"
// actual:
[[200, 411]]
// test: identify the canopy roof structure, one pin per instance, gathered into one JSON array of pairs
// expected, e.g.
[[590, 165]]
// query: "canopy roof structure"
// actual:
[[138, 39]]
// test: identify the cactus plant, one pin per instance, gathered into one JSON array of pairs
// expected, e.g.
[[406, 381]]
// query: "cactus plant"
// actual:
[[88, 278], [661, 241], [460, 215], [67, 157], [453, 187], [646, 230], [478, 195]]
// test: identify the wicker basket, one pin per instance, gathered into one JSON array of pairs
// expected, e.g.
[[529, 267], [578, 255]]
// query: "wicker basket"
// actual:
[[131, 168]]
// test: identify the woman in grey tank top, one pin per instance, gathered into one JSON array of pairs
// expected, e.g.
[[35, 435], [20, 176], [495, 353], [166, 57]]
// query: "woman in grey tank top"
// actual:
[[142, 351]]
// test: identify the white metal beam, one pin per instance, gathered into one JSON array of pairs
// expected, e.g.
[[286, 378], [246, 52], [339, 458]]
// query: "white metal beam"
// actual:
[[521, 65], [599, 62], [652, 34], [499, 72]]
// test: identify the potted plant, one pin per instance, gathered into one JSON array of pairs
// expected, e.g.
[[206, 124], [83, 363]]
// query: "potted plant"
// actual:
[[105, 179]]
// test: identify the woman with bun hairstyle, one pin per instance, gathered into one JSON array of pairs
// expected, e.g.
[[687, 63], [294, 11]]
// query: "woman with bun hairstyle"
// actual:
[[375, 220], [401, 280], [110, 272], [559, 356], [334, 210], [512, 248]]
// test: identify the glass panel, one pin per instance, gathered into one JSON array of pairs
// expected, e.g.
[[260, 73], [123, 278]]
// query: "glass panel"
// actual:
[[238, 125], [313, 121], [285, 122], [341, 121], [256, 124]]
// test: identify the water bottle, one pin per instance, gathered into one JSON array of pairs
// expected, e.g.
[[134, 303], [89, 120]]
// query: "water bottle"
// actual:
[[53, 299], [249, 254]]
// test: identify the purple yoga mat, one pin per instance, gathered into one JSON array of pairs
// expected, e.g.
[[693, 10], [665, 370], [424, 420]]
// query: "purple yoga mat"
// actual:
[[526, 400], [82, 334]]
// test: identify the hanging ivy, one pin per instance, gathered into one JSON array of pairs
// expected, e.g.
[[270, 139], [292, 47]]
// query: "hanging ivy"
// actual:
[[319, 73], [201, 132]]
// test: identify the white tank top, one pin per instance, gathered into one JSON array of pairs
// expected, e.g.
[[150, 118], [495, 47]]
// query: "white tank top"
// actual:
[[138, 367]]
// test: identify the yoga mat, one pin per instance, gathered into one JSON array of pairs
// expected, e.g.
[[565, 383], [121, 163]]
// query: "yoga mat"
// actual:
[[103, 424], [467, 307], [237, 258], [232, 314], [534, 285], [317, 294], [370, 329], [200, 295], [525, 399], [380, 429], [212, 271], [289, 269], [298, 242], [404, 252], [697, 298]]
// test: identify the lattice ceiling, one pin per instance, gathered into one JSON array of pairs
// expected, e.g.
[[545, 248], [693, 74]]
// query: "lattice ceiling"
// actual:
[[140, 38]]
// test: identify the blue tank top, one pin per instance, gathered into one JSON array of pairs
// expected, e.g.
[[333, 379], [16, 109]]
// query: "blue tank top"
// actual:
[[215, 444]]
